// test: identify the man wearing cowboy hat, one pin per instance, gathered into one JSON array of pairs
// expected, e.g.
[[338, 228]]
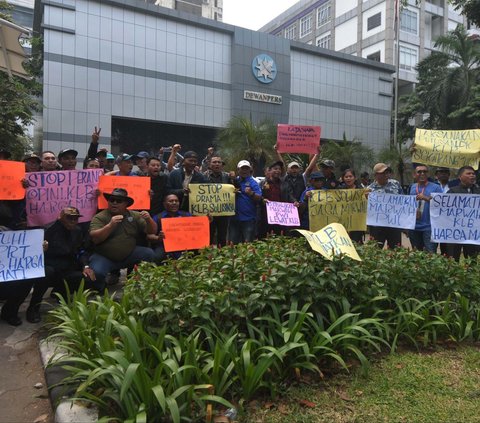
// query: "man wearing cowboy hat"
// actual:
[[114, 233]]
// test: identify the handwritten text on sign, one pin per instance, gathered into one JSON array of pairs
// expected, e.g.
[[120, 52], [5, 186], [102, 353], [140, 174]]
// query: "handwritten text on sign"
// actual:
[[285, 214], [330, 241], [298, 139], [345, 206], [213, 199], [185, 233], [447, 148], [21, 255], [11, 175], [455, 218], [392, 210], [138, 188], [49, 192]]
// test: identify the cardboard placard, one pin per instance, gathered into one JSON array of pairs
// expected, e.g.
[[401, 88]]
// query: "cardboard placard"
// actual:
[[345, 206], [212, 199], [138, 188], [455, 218], [452, 149], [285, 214], [392, 210], [185, 233], [330, 241], [298, 138], [21, 255], [49, 192], [11, 175]]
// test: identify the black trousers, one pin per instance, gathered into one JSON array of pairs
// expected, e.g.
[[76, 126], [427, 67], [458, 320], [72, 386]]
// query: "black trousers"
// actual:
[[219, 230], [393, 236], [14, 294], [469, 250]]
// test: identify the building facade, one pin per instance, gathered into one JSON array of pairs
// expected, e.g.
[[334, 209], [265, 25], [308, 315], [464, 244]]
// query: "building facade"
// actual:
[[125, 65], [367, 29], [211, 9]]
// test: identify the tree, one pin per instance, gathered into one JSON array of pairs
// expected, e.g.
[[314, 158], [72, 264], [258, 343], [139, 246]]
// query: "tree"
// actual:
[[18, 100], [348, 154], [469, 8], [448, 79], [243, 139]]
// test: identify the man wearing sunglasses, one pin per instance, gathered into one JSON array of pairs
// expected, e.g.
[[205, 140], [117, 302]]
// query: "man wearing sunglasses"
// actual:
[[420, 237], [114, 233], [64, 260]]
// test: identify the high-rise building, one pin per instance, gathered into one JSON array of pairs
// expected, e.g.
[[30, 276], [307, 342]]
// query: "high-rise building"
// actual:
[[211, 9], [22, 12], [367, 29]]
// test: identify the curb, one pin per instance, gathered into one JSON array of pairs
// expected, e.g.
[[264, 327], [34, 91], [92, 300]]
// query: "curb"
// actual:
[[67, 411]]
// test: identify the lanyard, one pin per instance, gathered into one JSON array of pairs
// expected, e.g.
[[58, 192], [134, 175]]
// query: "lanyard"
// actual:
[[424, 188]]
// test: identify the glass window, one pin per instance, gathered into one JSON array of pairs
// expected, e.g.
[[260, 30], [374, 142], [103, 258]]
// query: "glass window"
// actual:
[[374, 21], [324, 14], [409, 21], [290, 32], [324, 40], [305, 25], [408, 57], [374, 56]]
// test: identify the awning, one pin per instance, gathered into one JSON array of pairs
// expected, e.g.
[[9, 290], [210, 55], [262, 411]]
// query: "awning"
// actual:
[[11, 52]]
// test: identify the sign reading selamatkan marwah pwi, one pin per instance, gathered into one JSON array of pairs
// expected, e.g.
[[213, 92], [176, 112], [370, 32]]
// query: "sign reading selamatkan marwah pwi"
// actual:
[[264, 68]]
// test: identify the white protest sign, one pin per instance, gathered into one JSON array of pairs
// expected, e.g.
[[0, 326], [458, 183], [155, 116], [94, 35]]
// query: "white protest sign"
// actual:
[[455, 218], [285, 214], [392, 210], [21, 255]]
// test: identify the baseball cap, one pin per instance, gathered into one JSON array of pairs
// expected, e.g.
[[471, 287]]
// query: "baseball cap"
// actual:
[[327, 163], [31, 156], [317, 175], [71, 211], [143, 155], [123, 157], [380, 168], [293, 164], [110, 156], [243, 163], [68, 151]]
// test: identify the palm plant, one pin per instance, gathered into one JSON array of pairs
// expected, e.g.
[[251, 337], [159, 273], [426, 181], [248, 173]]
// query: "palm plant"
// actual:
[[447, 81], [242, 139]]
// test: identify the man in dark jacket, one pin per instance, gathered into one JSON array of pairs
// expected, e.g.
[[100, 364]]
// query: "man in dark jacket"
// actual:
[[467, 177], [179, 179]]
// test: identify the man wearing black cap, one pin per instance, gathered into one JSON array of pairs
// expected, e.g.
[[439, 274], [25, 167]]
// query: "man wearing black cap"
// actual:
[[327, 167], [68, 159], [179, 179], [141, 159], [125, 165], [114, 233], [64, 260]]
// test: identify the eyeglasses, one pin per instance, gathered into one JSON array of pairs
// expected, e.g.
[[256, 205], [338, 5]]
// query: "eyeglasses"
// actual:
[[116, 200]]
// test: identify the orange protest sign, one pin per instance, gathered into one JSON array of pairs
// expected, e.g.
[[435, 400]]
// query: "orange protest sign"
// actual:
[[185, 233], [138, 187], [11, 175]]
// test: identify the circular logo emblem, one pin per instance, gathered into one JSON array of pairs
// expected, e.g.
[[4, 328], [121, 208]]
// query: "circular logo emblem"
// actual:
[[264, 68]]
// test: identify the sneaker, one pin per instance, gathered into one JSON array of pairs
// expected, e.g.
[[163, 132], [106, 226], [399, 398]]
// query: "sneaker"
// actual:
[[33, 314], [12, 320]]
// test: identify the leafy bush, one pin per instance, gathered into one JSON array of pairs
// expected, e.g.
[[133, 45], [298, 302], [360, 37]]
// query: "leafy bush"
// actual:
[[230, 324]]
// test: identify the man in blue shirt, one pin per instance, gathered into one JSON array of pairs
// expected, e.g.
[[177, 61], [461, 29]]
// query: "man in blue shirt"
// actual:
[[243, 225], [420, 237]]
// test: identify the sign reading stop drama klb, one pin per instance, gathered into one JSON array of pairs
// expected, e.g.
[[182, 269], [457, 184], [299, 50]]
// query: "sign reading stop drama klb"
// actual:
[[298, 138]]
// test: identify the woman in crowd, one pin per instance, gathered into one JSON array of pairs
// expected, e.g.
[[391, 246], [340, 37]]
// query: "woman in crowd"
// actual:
[[350, 181]]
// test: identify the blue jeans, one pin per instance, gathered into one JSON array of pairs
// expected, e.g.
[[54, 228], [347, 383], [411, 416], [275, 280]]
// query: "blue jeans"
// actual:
[[102, 265], [420, 240], [242, 231]]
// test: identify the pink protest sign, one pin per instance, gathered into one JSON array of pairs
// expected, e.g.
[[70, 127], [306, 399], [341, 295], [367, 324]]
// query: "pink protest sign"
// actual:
[[285, 214], [49, 192], [298, 139]]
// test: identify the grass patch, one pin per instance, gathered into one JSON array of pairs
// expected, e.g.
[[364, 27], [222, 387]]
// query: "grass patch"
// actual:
[[439, 386]]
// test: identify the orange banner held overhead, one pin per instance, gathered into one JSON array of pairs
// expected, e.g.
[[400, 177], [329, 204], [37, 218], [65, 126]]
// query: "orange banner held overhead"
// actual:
[[138, 187], [11, 175], [185, 233]]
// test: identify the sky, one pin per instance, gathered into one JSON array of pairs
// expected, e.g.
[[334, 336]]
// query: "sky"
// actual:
[[253, 14]]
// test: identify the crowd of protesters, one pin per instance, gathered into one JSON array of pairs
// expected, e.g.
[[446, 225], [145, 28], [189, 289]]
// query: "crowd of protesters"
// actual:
[[118, 238]]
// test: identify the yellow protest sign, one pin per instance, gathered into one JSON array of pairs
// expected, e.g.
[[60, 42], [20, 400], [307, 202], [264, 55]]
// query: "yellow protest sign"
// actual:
[[345, 206], [212, 199], [444, 148], [330, 241]]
